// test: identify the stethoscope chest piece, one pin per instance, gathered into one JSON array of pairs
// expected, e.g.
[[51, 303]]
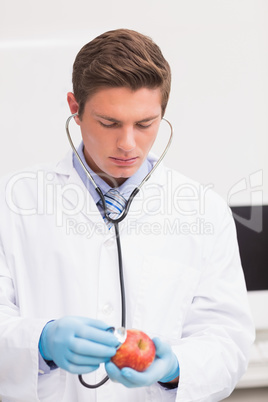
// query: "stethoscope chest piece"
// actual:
[[120, 334]]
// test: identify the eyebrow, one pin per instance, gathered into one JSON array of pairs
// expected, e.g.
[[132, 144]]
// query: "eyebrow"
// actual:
[[111, 119]]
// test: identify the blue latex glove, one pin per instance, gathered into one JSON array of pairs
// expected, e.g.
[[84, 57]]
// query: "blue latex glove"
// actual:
[[164, 368], [77, 344]]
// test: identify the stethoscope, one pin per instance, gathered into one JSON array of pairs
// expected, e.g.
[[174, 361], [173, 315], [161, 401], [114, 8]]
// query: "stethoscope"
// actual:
[[115, 222]]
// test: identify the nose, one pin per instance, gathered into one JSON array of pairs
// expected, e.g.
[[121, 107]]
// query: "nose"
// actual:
[[126, 140]]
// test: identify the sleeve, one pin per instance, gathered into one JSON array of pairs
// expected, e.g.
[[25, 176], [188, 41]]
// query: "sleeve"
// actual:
[[218, 331], [19, 336]]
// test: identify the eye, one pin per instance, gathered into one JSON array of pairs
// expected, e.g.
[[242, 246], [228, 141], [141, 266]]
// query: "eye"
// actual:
[[110, 125], [143, 125]]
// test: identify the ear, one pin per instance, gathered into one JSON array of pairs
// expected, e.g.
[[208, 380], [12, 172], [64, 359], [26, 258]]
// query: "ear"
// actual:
[[73, 105]]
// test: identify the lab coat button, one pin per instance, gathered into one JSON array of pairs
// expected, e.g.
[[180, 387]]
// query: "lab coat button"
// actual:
[[107, 309]]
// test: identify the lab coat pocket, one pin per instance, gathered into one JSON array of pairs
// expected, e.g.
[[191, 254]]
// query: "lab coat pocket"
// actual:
[[165, 294]]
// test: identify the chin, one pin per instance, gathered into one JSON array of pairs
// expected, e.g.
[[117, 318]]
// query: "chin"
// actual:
[[118, 178]]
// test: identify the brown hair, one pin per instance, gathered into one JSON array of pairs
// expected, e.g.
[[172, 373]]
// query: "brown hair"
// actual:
[[120, 58]]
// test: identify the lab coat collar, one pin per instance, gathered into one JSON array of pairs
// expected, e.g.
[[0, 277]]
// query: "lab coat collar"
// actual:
[[89, 208], [76, 193], [65, 167]]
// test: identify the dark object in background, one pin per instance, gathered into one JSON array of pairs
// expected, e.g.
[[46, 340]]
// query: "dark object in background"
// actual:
[[252, 232]]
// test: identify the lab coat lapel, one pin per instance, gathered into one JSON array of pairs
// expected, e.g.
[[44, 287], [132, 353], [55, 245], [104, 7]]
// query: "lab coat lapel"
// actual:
[[146, 202], [149, 199], [75, 192]]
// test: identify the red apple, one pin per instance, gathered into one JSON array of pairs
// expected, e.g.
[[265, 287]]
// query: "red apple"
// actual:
[[137, 352]]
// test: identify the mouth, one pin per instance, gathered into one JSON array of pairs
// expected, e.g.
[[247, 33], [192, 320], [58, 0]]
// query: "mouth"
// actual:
[[124, 161]]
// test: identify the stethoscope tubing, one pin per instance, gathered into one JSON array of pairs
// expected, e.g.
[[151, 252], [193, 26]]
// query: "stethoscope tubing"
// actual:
[[136, 190], [116, 226], [123, 305]]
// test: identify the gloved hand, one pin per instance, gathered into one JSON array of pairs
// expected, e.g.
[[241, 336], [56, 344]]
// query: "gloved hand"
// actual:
[[164, 368], [77, 344]]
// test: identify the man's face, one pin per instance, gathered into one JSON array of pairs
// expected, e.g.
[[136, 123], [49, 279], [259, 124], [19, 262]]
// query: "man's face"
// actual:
[[119, 127]]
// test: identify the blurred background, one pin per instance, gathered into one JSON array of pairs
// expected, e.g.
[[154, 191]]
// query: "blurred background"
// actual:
[[218, 52]]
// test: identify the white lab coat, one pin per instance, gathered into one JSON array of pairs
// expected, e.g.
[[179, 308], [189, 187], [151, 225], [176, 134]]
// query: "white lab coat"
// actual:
[[183, 280]]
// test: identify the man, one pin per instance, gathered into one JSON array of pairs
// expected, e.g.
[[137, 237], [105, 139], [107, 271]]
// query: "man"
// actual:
[[59, 286]]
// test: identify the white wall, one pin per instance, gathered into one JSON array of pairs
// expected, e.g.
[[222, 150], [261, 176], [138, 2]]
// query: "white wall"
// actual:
[[218, 51]]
